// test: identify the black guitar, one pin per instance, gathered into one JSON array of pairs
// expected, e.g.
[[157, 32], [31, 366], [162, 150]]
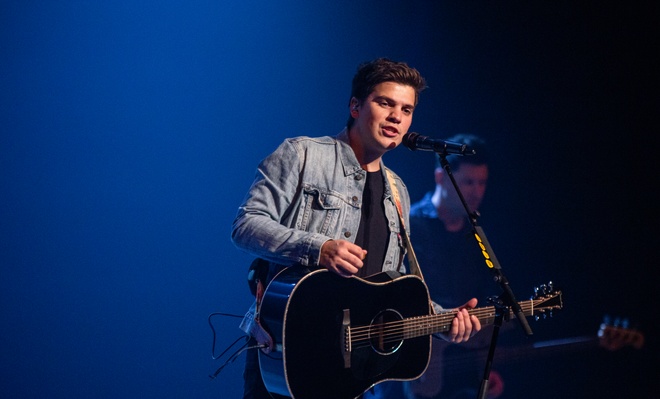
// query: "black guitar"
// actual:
[[335, 337]]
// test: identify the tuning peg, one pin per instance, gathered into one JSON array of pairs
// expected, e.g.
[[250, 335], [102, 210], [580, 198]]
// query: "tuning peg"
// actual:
[[495, 300], [623, 323], [541, 289]]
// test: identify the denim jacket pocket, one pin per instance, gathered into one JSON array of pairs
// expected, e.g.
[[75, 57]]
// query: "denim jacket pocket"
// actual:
[[321, 210]]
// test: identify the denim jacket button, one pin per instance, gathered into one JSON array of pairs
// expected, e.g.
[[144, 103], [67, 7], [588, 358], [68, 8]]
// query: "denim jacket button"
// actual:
[[347, 234]]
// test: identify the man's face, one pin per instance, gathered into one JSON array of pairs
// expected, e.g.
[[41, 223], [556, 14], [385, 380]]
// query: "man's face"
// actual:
[[471, 180], [385, 116]]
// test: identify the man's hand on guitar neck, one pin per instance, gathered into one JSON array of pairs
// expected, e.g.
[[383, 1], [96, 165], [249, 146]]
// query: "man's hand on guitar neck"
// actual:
[[464, 325]]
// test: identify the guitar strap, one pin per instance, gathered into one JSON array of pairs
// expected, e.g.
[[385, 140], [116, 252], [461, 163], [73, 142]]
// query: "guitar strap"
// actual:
[[412, 259]]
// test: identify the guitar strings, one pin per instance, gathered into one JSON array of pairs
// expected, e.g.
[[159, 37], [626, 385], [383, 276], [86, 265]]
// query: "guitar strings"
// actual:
[[397, 330], [420, 325]]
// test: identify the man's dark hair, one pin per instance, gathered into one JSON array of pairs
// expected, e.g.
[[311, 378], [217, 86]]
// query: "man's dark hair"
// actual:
[[372, 73], [473, 141]]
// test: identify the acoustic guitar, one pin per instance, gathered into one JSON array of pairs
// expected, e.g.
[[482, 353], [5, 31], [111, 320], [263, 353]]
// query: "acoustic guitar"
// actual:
[[335, 337]]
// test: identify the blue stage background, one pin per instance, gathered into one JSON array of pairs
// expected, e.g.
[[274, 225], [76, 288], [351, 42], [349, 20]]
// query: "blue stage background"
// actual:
[[131, 131]]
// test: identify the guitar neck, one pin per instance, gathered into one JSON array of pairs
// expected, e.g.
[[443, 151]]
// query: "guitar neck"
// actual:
[[439, 323]]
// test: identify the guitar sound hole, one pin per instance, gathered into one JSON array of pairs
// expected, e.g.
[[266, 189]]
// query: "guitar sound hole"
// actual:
[[386, 332]]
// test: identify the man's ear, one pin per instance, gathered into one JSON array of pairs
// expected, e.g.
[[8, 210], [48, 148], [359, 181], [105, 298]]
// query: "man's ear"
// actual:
[[354, 107]]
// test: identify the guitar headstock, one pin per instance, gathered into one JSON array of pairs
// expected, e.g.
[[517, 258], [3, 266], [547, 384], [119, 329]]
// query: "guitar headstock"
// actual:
[[545, 300], [617, 334]]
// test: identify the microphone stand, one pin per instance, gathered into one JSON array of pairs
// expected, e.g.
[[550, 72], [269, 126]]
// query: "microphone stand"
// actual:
[[507, 299]]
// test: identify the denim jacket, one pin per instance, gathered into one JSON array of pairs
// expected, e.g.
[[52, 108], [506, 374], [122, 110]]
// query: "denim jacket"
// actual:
[[308, 191]]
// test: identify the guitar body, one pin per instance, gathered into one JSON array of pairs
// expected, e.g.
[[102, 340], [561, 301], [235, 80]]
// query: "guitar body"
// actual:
[[306, 312]]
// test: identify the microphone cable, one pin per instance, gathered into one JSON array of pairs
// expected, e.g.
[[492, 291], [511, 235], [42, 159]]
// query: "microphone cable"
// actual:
[[237, 353]]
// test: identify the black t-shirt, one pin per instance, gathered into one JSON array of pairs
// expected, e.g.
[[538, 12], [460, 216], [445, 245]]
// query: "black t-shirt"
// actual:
[[373, 232]]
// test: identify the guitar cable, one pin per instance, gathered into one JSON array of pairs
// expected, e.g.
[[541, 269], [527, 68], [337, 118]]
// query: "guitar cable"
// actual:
[[237, 353]]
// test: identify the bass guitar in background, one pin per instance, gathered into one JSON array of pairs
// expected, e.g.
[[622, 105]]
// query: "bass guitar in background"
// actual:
[[453, 367]]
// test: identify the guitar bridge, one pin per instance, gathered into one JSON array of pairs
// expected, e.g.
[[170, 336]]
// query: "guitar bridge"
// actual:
[[345, 338]]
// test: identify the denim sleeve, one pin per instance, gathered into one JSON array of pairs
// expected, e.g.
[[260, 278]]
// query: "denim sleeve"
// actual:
[[260, 226]]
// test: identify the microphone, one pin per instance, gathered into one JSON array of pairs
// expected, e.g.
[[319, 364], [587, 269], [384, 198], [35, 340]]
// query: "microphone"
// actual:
[[415, 141]]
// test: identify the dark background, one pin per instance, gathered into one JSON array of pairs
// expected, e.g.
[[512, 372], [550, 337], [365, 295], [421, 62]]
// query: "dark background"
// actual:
[[131, 131]]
